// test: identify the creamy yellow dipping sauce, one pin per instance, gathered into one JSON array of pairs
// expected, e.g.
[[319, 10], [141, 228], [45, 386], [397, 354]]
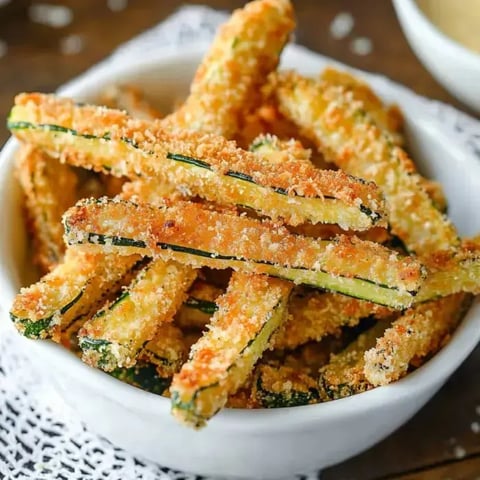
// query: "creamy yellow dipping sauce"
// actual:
[[459, 19]]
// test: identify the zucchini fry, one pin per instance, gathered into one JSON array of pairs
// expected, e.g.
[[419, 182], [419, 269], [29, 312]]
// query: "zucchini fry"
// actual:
[[167, 350], [281, 386], [344, 374], [200, 305], [316, 315], [450, 272], [346, 265], [49, 188], [227, 84], [209, 166], [346, 133], [131, 99], [222, 359], [417, 333], [159, 360], [70, 291], [387, 118], [271, 148], [435, 192], [116, 334], [143, 375]]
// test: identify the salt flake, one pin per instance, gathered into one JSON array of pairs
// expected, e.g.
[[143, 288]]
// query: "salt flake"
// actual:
[[342, 25], [361, 46]]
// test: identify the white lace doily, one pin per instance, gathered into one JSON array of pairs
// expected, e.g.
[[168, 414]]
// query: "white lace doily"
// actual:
[[40, 437]]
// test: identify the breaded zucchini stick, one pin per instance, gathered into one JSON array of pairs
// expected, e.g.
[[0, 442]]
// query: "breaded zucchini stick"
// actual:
[[160, 359], [417, 333], [271, 148], [72, 290], [49, 188], [208, 165], [200, 305], [347, 265], [131, 99], [346, 133], [222, 359], [452, 271], [388, 119], [116, 334], [143, 375], [315, 315], [344, 374], [227, 84], [167, 350], [282, 386], [437, 195]]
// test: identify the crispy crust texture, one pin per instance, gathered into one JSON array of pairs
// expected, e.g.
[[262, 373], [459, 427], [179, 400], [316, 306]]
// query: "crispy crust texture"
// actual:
[[131, 99], [116, 334], [220, 362], [345, 132], [167, 350], [227, 84], [344, 374], [415, 334], [79, 282], [237, 237], [452, 271], [49, 188], [315, 315], [151, 139], [387, 118]]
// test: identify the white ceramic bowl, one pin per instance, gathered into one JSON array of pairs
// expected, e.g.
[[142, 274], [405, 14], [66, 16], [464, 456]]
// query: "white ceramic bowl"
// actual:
[[456, 67], [241, 443]]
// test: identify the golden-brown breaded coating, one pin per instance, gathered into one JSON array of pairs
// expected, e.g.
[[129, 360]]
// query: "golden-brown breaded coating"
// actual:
[[217, 158], [227, 84]]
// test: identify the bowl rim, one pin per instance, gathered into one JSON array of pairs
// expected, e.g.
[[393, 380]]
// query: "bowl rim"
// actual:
[[430, 376], [416, 14]]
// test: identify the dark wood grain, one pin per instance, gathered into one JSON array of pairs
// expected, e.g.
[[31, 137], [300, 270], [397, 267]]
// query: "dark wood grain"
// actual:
[[429, 444], [467, 469]]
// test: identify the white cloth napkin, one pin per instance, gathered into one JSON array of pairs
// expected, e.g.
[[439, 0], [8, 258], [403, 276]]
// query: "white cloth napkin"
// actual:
[[40, 437]]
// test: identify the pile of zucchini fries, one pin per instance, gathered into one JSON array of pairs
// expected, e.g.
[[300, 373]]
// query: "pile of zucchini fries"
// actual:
[[268, 244]]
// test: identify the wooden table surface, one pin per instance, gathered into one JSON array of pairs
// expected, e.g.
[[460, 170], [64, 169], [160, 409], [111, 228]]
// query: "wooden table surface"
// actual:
[[440, 441]]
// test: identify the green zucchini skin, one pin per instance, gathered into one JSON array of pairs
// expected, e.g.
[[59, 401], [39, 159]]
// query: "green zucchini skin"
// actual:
[[374, 217], [194, 403], [143, 375], [388, 296], [289, 397], [37, 329], [204, 306]]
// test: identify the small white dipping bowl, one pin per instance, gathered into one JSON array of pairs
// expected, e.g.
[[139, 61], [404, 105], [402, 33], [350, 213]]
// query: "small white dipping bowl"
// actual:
[[456, 67], [244, 443]]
